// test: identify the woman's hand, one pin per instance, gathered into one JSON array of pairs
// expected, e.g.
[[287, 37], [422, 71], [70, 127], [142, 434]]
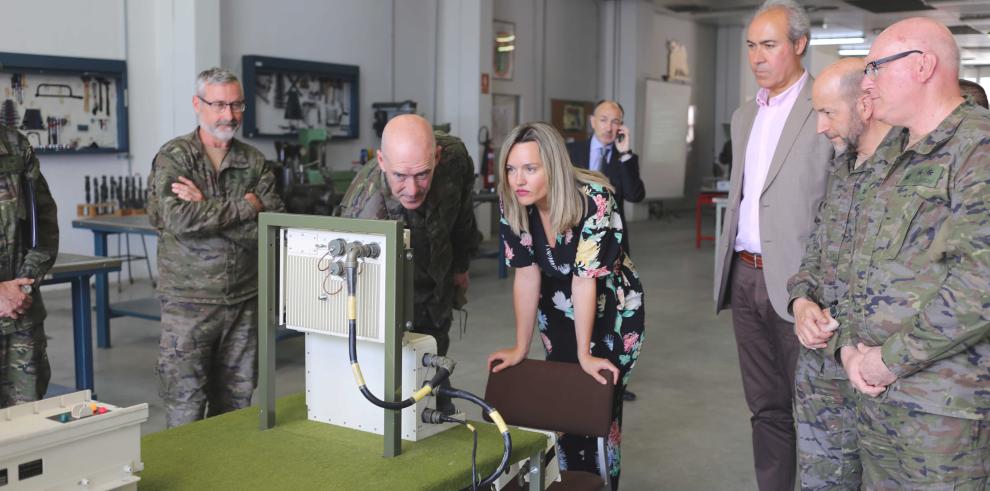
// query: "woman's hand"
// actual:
[[505, 358], [592, 365]]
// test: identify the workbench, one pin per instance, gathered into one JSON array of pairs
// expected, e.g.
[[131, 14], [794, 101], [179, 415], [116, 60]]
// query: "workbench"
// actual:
[[77, 270], [144, 308], [230, 452]]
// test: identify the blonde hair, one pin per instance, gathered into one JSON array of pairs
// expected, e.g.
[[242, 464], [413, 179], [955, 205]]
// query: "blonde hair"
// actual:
[[568, 204]]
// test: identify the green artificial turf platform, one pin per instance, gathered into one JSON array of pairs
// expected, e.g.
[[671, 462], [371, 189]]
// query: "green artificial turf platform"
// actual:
[[230, 452]]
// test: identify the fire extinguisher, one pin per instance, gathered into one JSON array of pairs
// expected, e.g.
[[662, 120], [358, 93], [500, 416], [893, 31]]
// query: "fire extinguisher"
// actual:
[[487, 159]]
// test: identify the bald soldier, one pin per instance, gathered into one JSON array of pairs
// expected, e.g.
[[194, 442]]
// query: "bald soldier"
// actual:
[[916, 337], [424, 180], [825, 407]]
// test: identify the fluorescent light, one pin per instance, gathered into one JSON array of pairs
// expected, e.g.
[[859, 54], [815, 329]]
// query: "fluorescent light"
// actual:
[[975, 62], [503, 49], [854, 52], [829, 41], [505, 39]]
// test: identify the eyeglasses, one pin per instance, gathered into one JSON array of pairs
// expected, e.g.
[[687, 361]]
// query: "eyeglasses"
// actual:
[[873, 67], [219, 106]]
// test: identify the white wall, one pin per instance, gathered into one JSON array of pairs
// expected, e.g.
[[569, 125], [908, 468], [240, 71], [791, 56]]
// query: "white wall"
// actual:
[[571, 32], [527, 79], [634, 49], [700, 41], [556, 56], [333, 31], [93, 29]]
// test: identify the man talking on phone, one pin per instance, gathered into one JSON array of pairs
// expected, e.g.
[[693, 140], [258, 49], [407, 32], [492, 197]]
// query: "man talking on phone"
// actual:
[[609, 151]]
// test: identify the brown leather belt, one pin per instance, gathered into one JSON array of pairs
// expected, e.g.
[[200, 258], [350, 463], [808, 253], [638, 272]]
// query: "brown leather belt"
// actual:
[[754, 260]]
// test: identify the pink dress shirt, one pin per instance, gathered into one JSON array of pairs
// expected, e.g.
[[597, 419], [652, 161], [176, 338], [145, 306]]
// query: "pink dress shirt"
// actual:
[[767, 127]]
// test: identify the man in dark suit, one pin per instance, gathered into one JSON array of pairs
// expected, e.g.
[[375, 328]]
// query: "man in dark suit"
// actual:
[[609, 151]]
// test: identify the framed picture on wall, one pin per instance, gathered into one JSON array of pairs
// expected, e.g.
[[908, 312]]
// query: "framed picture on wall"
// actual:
[[571, 118], [505, 49]]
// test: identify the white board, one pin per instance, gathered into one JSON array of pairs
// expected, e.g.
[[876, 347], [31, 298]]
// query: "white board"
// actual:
[[664, 161]]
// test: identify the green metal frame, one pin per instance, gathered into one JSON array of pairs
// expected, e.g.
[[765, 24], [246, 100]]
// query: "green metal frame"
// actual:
[[398, 306]]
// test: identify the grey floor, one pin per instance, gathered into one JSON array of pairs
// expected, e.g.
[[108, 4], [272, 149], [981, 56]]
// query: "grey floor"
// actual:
[[689, 429]]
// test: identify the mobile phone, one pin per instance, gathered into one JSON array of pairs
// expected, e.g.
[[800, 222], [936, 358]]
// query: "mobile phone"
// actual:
[[622, 136]]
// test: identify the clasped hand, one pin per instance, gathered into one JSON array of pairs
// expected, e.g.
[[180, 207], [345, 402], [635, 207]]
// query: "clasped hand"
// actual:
[[13, 302]]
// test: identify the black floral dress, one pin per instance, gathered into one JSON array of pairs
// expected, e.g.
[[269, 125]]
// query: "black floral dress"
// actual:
[[591, 250]]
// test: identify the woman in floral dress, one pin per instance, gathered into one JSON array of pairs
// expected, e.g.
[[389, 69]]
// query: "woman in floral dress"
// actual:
[[573, 280]]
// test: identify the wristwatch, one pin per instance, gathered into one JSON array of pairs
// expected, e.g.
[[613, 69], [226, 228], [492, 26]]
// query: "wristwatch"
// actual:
[[627, 152], [27, 289]]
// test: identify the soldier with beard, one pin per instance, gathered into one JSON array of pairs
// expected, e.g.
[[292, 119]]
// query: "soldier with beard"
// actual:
[[206, 189], [824, 401]]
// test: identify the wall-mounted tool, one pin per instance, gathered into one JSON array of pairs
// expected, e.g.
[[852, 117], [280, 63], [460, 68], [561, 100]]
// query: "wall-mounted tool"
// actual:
[[17, 85], [85, 81], [55, 90], [8, 114], [32, 120], [104, 88]]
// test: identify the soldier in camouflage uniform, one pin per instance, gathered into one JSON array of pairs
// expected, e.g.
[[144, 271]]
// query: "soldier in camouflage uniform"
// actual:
[[824, 408], [916, 336], [424, 180], [206, 190], [24, 368]]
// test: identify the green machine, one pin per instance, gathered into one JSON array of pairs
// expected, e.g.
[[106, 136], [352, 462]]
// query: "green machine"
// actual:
[[347, 284]]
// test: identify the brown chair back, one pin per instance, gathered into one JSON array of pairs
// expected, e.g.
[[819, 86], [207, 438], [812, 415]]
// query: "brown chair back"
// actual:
[[552, 395]]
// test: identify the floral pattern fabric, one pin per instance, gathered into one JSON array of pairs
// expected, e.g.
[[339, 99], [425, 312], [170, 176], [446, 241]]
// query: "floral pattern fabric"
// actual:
[[591, 249]]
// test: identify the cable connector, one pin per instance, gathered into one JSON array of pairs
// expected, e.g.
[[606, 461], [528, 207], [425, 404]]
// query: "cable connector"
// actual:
[[435, 417], [437, 361]]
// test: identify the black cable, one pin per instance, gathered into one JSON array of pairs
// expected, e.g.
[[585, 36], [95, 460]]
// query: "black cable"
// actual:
[[496, 417]]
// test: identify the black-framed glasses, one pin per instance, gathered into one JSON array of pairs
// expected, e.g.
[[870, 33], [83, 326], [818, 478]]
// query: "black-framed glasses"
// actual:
[[219, 106], [873, 68]]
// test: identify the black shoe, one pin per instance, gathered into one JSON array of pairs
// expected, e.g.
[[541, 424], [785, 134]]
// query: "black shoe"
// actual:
[[628, 395]]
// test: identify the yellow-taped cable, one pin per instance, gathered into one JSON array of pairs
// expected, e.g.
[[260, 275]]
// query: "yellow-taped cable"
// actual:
[[357, 374], [422, 392], [351, 307], [499, 422]]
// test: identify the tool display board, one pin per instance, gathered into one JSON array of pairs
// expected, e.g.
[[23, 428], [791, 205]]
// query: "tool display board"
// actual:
[[283, 96], [65, 105]]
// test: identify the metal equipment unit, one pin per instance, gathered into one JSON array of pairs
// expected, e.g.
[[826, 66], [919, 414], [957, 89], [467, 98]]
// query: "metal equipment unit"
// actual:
[[301, 288], [70, 441]]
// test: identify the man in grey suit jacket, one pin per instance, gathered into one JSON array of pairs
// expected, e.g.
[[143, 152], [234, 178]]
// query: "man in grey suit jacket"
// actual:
[[779, 170]]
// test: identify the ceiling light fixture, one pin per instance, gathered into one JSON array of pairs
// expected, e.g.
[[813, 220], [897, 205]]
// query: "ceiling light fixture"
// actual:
[[854, 52], [831, 41]]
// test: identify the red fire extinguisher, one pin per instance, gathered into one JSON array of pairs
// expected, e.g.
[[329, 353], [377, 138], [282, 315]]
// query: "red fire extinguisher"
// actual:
[[487, 160]]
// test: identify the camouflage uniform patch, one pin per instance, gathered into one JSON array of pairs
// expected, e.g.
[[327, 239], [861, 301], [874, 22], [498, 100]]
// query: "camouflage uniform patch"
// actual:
[[207, 357], [921, 282], [208, 275], [908, 450], [443, 228], [208, 250], [24, 369], [828, 455]]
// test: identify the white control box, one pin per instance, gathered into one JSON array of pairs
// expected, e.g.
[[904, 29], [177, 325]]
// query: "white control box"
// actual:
[[333, 397], [70, 442]]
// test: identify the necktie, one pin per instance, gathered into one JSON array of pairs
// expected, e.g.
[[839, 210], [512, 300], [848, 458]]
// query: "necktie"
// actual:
[[600, 159]]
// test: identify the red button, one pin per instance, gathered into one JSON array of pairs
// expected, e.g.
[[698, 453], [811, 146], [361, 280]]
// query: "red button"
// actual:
[[101, 410]]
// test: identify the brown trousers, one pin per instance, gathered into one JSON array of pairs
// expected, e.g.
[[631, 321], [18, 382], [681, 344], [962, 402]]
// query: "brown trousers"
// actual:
[[768, 351]]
